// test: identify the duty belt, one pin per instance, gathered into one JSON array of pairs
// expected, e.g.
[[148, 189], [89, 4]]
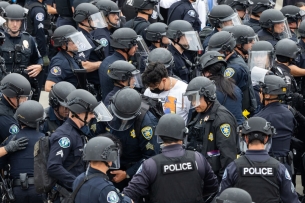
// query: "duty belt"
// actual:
[[282, 159], [17, 182]]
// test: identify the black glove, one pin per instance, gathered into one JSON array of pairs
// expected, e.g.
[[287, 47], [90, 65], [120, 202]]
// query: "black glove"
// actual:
[[15, 145]]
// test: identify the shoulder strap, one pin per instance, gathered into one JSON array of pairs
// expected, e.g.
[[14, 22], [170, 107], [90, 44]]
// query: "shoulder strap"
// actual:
[[140, 118]]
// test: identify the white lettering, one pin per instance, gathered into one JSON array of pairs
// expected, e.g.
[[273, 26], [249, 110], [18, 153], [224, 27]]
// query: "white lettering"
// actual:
[[178, 167], [257, 171]]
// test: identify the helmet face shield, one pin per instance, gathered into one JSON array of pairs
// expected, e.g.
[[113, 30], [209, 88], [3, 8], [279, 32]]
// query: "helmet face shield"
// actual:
[[191, 41], [116, 163], [101, 113], [138, 79], [231, 20], [193, 97], [142, 47], [80, 41], [119, 124], [261, 59], [282, 28], [252, 40], [258, 75], [98, 20]]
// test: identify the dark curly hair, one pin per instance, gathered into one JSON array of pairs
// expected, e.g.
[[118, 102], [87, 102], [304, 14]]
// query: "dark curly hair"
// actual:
[[154, 73]]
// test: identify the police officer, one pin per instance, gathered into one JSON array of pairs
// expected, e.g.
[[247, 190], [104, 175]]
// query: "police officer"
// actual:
[[65, 12], [301, 44], [62, 67], [273, 90], [123, 74], [236, 195], [224, 43], [57, 112], [241, 7], [135, 134], [124, 42], [36, 20], [156, 34], [211, 125], [111, 13], [19, 49], [29, 115], [102, 153], [177, 174], [15, 89], [67, 142], [255, 12], [294, 17], [183, 38], [256, 168], [274, 26], [184, 10]]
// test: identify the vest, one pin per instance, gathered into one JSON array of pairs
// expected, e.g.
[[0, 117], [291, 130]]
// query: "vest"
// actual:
[[5, 110], [8, 50], [250, 180], [30, 24], [167, 189], [52, 126], [63, 8]]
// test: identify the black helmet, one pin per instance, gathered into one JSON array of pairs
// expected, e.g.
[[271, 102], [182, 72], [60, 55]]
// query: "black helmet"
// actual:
[[256, 125], [172, 126], [211, 57], [144, 4], [107, 7], [163, 56], [156, 31], [219, 14], [274, 85], [270, 17], [123, 38], [235, 195], [15, 85], [59, 92], [83, 11], [14, 12], [293, 13], [30, 113], [262, 46], [81, 101], [261, 5], [288, 48], [243, 34], [239, 5], [176, 29], [204, 86], [222, 41], [61, 35], [302, 29], [122, 70]]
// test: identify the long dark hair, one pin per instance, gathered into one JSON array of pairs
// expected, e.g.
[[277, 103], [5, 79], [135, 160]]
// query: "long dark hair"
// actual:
[[223, 84]]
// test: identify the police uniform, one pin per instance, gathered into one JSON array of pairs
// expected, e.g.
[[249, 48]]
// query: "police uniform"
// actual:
[[23, 162], [61, 69], [254, 24], [104, 190], [105, 81], [283, 121], [64, 10], [103, 35], [242, 175], [111, 94], [8, 124], [51, 122], [139, 24], [184, 10], [205, 43], [301, 64], [66, 148], [213, 134], [176, 175], [264, 35]]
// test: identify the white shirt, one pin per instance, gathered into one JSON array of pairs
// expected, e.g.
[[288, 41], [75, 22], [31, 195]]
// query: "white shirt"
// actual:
[[172, 100]]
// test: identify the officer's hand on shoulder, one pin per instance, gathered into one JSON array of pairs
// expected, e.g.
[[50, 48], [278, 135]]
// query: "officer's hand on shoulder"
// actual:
[[16, 145]]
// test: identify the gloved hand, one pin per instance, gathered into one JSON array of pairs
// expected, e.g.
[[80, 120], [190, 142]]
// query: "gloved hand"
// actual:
[[45, 60], [15, 145]]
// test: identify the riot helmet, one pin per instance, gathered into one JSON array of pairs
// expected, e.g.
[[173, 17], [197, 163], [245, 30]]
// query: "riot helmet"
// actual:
[[108, 7], [256, 128], [81, 101], [210, 58], [287, 48], [102, 149], [125, 106], [222, 42], [261, 55], [144, 4], [259, 6], [14, 12], [30, 113], [124, 71], [276, 22], [123, 38], [200, 87], [302, 29], [244, 35], [3, 5], [274, 85], [163, 56], [223, 15], [182, 33], [234, 195], [156, 32], [67, 33], [89, 12], [241, 6], [293, 14]]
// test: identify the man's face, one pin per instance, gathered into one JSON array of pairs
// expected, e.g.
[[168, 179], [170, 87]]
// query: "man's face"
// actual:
[[279, 27], [89, 117], [133, 50], [184, 42], [72, 47], [63, 111], [241, 14], [14, 25], [114, 18], [227, 23], [202, 106], [248, 46]]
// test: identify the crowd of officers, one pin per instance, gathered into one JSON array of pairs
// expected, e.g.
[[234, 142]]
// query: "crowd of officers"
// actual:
[[148, 103]]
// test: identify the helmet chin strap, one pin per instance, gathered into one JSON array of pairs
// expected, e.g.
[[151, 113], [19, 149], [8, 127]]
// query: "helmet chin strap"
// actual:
[[85, 119]]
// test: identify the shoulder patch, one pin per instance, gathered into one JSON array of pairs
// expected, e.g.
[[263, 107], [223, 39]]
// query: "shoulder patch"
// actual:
[[225, 129], [191, 13], [149, 146], [39, 16], [104, 42], [64, 142], [40, 25], [14, 129], [287, 175], [56, 70], [112, 197], [229, 72], [147, 132]]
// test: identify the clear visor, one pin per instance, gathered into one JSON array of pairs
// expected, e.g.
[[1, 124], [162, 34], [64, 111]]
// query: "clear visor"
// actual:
[[252, 40], [232, 20], [193, 97], [80, 41], [116, 163], [137, 79], [142, 47], [261, 59], [258, 75], [282, 28], [101, 113], [191, 41], [2, 21], [98, 20], [119, 124]]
